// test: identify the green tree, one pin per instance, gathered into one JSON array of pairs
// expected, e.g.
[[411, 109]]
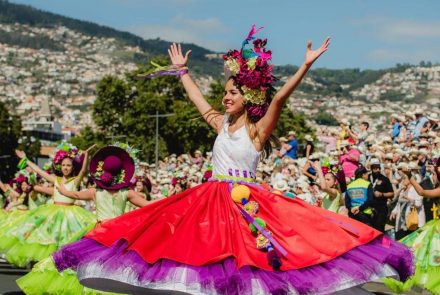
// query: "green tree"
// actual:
[[10, 131], [325, 118], [292, 121], [112, 99], [30, 145], [128, 109], [88, 137]]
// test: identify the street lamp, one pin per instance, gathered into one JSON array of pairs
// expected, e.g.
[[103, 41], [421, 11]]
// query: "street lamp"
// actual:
[[157, 115]]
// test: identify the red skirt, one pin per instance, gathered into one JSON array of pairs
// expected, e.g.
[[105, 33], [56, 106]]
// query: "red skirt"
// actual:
[[203, 225]]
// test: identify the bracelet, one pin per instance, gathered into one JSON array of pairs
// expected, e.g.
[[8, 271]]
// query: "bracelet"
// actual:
[[23, 163], [182, 72], [171, 70]]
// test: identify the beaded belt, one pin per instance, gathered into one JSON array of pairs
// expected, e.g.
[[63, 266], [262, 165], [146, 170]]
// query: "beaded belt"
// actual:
[[236, 179]]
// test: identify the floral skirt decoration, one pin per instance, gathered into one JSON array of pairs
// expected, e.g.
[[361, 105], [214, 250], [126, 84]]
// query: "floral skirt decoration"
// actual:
[[425, 244], [221, 238], [40, 232]]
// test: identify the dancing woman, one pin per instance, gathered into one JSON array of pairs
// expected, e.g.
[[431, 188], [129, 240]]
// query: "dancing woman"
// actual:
[[111, 168], [45, 229], [228, 235]]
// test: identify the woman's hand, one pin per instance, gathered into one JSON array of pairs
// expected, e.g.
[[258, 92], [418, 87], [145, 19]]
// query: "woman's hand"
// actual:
[[176, 56], [90, 148], [62, 189], [392, 216], [312, 55], [20, 154]]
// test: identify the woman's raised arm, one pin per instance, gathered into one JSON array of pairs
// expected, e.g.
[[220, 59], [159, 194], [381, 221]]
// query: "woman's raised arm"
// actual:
[[211, 116], [84, 167], [266, 124], [33, 166]]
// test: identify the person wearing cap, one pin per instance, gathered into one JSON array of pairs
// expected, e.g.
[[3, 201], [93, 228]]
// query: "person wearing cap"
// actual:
[[359, 197], [344, 124], [407, 198], [420, 123], [383, 191], [349, 159], [395, 123], [291, 146]]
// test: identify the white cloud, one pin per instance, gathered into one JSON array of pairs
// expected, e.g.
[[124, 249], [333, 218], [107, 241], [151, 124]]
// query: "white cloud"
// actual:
[[173, 34], [203, 32], [403, 30], [211, 25], [404, 55], [399, 30]]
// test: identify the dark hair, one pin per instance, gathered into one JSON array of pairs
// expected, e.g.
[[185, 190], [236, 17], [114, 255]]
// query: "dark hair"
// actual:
[[75, 168], [272, 141], [360, 171], [366, 124]]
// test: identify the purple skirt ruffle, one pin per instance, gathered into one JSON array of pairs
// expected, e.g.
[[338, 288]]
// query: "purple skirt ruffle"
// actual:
[[118, 270]]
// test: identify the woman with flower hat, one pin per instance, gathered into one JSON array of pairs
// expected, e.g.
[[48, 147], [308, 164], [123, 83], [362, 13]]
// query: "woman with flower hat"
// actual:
[[45, 229], [142, 185], [228, 235], [112, 169]]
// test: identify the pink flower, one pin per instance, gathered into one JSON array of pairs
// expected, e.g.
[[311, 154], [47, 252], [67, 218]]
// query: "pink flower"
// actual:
[[107, 178], [20, 179], [256, 112], [59, 156]]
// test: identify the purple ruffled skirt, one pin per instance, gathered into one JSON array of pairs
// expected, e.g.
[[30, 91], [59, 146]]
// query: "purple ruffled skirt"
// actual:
[[118, 270]]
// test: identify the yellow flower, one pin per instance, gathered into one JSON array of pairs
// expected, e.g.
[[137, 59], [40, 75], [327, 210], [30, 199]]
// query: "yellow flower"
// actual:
[[233, 66], [251, 63], [254, 96]]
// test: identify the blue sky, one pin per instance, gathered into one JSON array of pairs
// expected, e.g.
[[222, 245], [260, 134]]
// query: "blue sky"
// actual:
[[366, 34]]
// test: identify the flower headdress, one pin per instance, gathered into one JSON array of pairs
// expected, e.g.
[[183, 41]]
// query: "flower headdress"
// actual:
[[62, 151], [113, 167], [251, 71], [23, 176]]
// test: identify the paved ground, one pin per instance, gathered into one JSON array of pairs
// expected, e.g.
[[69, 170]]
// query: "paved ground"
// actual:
[[7, 283], [8, 286]]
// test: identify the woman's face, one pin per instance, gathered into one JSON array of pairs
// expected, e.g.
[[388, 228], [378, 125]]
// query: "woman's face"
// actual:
[[25, 187], [232, 99], [329, 180], [139, 186], [67, 167]]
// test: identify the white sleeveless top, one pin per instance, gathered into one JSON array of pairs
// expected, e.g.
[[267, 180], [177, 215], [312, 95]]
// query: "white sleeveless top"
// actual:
[[234, 154], [69, 185]]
